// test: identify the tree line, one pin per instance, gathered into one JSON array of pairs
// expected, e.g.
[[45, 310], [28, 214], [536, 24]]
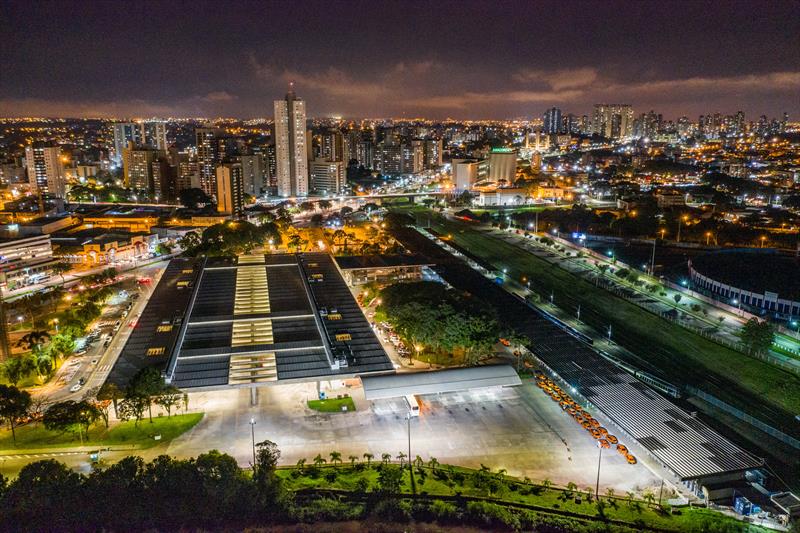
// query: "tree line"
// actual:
[[134, 402]]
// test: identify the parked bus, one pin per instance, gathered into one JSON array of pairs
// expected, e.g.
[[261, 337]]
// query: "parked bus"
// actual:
[[413, 405]]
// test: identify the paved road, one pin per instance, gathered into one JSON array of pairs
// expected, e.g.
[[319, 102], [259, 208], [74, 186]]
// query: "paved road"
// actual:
[[95, 375]]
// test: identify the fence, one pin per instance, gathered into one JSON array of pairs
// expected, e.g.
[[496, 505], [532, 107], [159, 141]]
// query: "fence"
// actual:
[[741, 415]]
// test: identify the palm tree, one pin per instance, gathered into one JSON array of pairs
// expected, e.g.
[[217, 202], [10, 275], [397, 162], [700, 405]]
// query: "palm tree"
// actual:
[[301, 464], [368, 456], [610, 492], [353, 459], [61, 268], [649, 497], [319, 461], [385, 458], [501, 473], [630, 496], [34, 340], [418, 462], [402, 458], [336, 457], [546, 483], [433, 463], [571, 486], [589, 492]]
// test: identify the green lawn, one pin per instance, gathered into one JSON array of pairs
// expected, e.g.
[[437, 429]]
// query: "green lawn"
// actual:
[[332, 405], [682, 355], [35, 436], [450, 481]]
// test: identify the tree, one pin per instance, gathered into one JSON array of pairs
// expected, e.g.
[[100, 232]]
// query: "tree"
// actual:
[[169, 397], [353, 459], [336, 457], [17, 367], [192, 197], [546, 483], [62, 346], [307, 206], [133, 407], [368, 456], [189, 241], [385, 458], [649, 497], [324, 204], [146, 384], [14, 404], [319, 460], [433, 463], [61, 268], [296, 242], [390, 479], [757, 335], [110, 391], [34, 340], [71, 416], [316, 220], [401, 457], [677, 297], [345, 211]]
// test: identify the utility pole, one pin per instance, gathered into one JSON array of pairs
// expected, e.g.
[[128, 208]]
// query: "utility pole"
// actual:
[[253, 435]]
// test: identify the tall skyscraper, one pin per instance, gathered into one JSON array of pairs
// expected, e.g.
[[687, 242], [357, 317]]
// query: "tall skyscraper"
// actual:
[[45, 170], [613, 121], [552, 120], [230, 196], [124, 134], [154, 134], [208, 157], [290, 145]]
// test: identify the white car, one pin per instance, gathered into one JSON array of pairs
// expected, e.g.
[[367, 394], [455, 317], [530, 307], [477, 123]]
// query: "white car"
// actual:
[[76, 387]]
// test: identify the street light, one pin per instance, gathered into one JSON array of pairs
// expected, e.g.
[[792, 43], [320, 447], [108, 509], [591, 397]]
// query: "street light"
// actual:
[[599, 458], [684, 218], [408, 420], [253, 435]]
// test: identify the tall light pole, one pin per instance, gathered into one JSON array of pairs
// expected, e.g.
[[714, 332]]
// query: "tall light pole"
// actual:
[[408, 420], [684, 218], [253, 435], [599, 458]]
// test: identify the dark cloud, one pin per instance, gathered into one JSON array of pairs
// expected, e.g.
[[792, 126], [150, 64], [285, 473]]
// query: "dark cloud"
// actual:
[[460, 59]]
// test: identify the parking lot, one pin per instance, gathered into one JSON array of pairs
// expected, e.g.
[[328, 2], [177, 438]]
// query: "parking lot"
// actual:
[[520, 429]]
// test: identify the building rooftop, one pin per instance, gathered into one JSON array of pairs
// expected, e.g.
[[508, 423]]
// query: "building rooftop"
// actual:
[[259, 319], [348, 262]]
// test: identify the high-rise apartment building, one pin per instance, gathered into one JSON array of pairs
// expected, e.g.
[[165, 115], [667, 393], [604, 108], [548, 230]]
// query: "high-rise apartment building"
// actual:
[[327, 177], [552, 120], [230, 196], [125, 133], [290, 146], [138, 168], [333, 146], [413, 157], [154, 134], [45, 169], [209, 155], [253, 173], [432, 157], [613, 121], [365, 153]]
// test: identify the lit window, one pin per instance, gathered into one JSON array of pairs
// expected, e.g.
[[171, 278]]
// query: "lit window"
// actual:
[[155, 351], [164, 328], [343, 337]]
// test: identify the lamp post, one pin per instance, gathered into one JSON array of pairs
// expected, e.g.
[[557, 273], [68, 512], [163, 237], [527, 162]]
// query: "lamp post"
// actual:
[[408, 420], [253, 436], [599, 458], [684, 218]]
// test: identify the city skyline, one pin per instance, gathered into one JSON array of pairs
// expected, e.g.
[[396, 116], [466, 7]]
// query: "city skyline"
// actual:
[[385, 60]]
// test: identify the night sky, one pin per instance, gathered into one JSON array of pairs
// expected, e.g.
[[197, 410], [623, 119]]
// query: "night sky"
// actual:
[[462, 59]]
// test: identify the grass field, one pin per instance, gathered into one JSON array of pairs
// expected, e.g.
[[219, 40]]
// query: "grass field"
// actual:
[[332, 405], [35, 436], [679, 353], [451, 481]]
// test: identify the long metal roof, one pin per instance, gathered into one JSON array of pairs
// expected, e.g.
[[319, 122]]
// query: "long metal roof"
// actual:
[[436, 381]]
